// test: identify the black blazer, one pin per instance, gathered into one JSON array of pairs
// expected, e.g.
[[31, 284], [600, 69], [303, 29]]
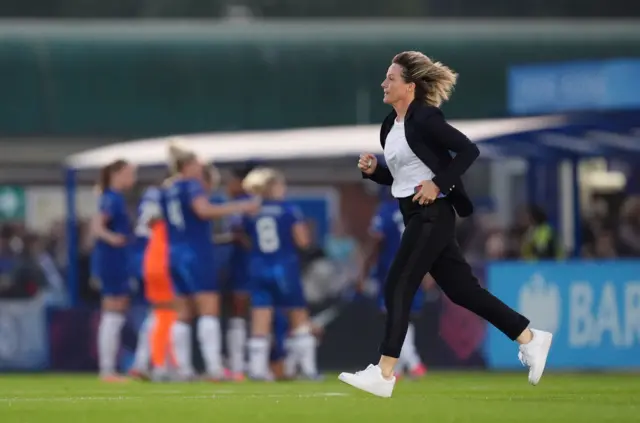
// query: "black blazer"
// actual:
[[432, 140]]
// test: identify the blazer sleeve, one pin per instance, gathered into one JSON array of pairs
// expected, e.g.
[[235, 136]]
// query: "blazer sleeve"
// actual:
[[450, 138], [381, 175]]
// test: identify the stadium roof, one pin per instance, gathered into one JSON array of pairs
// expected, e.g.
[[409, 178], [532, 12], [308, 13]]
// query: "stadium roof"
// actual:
[[592, 134]]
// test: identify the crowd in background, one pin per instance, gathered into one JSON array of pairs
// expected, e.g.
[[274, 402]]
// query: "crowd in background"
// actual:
[[31, 263], [610, 229]]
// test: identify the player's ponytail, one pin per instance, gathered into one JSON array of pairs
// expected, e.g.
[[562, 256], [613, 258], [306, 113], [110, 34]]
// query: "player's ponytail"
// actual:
[[178, 157], [106, 173], [104, 179]]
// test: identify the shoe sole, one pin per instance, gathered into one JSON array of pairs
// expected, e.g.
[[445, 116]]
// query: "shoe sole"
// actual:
[[547, 345]]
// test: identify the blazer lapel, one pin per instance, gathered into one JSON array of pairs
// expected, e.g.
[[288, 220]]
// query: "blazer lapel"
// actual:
[[386, 128], [419, 144]]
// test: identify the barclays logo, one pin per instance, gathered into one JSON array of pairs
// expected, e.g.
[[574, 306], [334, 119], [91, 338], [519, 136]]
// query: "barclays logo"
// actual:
[[540, 301], [593, 309]]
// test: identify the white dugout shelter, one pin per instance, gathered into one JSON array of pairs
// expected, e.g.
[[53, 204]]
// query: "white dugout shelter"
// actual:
[[265, 146]]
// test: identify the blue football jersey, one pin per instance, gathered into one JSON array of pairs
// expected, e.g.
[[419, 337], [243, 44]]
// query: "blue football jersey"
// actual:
[[271, 230], [387, 223], [110, 266], [149, 209], [113, 207], [184, 227]]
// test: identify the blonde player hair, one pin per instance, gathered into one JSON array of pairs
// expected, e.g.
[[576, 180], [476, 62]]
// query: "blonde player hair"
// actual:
[[434, 81], [259, 180], [178, 156]]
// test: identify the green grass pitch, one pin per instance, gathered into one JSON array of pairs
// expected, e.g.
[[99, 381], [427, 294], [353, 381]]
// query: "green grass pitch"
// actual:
[[441, 397]]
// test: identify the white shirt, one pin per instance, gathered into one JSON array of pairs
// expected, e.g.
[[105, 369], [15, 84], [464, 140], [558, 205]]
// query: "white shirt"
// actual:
[[405, 167]]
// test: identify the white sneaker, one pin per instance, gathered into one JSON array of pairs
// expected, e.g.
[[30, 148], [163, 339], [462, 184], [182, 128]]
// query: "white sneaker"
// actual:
[[370, 380], [534, 354]]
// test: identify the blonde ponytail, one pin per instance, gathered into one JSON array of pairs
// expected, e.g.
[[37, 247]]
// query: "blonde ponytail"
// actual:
[[434, 80], [178, 156]]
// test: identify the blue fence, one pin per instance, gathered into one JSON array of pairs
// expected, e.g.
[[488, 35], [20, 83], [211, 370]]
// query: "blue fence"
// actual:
[[592, 307]]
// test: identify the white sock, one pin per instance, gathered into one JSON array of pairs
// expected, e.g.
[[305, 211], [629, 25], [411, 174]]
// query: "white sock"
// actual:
[[143, 348], [409, 353], [236, 340], [211, 345], [109, 341], [258, 357], [304, 345], [290, 360], [181, 343]]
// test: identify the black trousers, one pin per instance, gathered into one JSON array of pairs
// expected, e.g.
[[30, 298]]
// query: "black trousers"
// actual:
[[429, 246]]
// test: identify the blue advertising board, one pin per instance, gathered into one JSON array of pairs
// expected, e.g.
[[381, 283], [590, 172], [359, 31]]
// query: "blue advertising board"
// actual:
[[593, 309], [23, 335], [572, 86], [72, 338]]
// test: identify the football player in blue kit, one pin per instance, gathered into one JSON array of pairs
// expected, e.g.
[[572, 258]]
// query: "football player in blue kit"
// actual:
[[386, 231], [110, 261], [276, 233], [148, 210], [238, 263], [188, 213]]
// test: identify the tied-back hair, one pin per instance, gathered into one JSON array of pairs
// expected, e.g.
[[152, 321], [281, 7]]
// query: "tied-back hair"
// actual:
[[434, 81], [104, 180], [259, 180], [178, 158]]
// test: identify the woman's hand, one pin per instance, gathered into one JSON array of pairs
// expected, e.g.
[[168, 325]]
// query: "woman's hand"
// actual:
[[367, 163], [427, 193]]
